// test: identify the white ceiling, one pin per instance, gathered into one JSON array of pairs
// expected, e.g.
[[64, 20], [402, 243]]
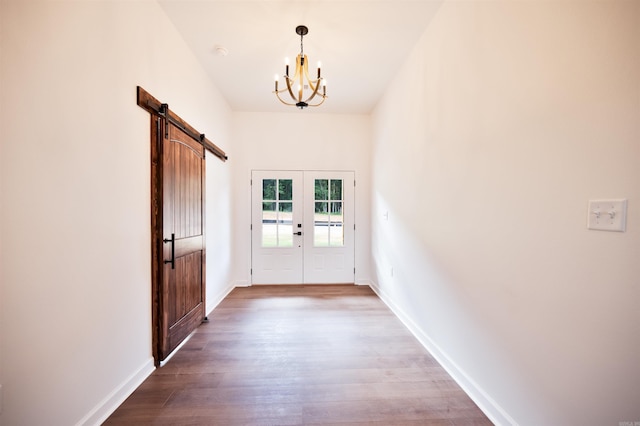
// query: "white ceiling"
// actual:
[[361, 44]]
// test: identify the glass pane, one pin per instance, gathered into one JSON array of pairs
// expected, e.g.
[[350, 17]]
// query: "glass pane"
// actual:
[[322, 208], [336, 212], [285, 189], [336, 235], [322, 189], [336, 189], [269, 189], [321, 225], [336, 229], [321, 234], [285, 236], [285, 225], [286, 207], [269, 225]]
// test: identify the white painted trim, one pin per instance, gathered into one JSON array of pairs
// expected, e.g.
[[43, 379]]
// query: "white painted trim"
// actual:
[[111, 402], [485, 402], [215, 301], [364, 282]]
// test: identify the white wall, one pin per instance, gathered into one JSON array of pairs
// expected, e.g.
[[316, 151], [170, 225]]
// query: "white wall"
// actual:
[[218, 225], [505, 120], [299, 140], [76, 285]]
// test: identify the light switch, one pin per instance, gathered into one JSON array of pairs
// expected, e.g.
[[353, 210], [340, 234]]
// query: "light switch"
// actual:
[[607, 215]]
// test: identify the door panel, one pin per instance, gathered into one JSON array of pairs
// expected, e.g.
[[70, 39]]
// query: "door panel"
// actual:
[[329, 227], [182, 294], [276, 250]]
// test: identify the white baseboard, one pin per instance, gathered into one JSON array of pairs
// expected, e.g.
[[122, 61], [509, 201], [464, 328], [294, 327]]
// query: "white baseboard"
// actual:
[[242, 283], [363, 282], [215, 301], [111, 402], [488, 405]]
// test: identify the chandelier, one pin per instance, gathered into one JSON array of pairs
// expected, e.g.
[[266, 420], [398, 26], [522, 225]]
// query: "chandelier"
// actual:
[[306, 89]]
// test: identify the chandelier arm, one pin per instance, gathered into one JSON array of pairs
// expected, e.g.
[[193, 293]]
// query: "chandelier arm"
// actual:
[[318, 104], [288, 81], [280, 99], [280, 91], [315, 91], [313, 84]]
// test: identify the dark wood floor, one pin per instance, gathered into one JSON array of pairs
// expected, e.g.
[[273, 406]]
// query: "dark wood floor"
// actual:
[[298, 355]]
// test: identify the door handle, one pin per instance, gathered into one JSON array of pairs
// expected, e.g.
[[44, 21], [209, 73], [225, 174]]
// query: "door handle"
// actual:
[[173, 251], [297, 233]]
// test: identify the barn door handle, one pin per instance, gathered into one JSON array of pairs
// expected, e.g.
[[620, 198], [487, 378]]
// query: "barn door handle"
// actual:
[[173, 251]]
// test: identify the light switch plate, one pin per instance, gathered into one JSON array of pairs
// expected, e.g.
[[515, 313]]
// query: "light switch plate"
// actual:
[[607, 215]]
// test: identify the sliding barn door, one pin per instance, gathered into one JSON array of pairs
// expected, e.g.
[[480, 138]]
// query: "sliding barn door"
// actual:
[[179, 200]]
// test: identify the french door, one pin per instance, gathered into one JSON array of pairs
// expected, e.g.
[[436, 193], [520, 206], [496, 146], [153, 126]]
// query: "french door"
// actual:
[[302, 227], [276, 227]]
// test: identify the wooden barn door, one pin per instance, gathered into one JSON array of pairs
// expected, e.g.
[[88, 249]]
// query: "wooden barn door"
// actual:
[[178, 254], [179, 225]]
